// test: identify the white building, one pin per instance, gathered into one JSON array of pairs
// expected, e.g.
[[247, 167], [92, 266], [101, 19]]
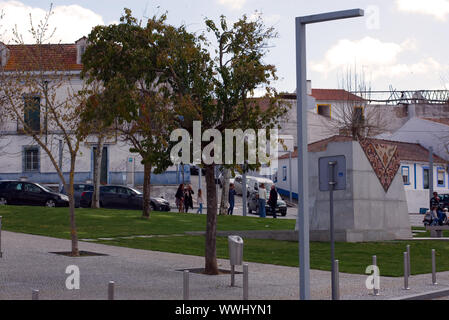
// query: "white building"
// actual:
[[414, 169], [429, 132], [327, 107], [21, 157]]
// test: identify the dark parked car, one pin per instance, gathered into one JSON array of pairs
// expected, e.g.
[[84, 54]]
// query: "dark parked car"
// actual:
[[253, 205], [444, 201], [78, 189], [121, 197], [195, 170], [30, 194]]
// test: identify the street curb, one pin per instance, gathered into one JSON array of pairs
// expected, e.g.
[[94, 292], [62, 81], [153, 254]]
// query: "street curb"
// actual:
[[426, 295]]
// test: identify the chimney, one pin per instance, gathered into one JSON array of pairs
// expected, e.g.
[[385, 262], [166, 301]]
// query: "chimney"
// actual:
[[309, 87], [4, 54], [81, 45], [411, 110]]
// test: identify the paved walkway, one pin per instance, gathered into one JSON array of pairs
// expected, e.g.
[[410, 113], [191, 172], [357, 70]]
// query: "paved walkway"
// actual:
[[140, 274]]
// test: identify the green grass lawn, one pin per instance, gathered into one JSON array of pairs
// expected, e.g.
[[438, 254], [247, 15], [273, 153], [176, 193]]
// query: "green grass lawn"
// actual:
[[353, 257], [427, 233], [102, 223]]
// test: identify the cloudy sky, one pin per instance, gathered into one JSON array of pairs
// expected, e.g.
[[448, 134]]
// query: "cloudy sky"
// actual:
[[399, 43]]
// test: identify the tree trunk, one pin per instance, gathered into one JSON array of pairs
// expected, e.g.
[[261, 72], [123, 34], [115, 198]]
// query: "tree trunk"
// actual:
[[97, 173], [146, 190], [73, 230], [225, 192], [211, 266]]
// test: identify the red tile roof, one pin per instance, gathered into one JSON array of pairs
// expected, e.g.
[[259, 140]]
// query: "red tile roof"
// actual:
[[327, 95], [334, 95], [45, 57], [407, 151]]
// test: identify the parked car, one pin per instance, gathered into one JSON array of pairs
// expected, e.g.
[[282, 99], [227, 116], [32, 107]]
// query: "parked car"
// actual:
[[30, 194], [121, 197], [221, 178], [78, 189], [238, 184], [231, 180], [253, 205], [444, 201], [195, 170], [252, 184]]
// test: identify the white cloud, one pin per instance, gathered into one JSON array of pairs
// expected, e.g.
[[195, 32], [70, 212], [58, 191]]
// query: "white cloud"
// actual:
[[71, 22], [376, 58], [437, 8], [232, 4], [422, 67]]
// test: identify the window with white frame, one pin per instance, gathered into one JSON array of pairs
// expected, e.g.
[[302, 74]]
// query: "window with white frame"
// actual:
[[406, 175], [441, 177], [31, 161]]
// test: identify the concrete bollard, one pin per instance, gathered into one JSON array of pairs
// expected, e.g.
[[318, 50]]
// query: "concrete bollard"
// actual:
[[186, 285], [1, 253], [111, 286], [406, 287], [375, 290], [245, 282], [35, 295], [232, 275], [434, 268], [408, 261], [337, 280]]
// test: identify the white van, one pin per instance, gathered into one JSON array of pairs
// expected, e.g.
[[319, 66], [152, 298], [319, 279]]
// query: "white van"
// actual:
[[253, 183]]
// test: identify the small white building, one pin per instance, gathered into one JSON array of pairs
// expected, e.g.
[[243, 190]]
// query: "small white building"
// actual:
[[414, 168], [427, 131]]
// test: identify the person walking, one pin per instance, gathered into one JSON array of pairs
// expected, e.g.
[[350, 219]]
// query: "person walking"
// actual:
[[273, 200], [199, 200], [180, 197], [188, 199], [231, 199], [446, 215], [262, 200], [435, 201]]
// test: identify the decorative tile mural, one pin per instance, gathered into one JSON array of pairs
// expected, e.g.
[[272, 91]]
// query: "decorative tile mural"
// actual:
[[384, 159]]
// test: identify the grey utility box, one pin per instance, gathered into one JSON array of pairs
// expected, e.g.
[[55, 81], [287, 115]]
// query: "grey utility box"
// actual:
[[235, 250], [339, 173]]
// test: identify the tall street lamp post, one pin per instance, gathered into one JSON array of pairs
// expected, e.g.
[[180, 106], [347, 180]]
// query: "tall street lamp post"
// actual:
[[302, 222]]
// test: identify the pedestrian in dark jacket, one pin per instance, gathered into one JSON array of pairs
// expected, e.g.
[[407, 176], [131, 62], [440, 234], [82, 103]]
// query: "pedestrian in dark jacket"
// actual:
[[188, 199], [180, 197], [273, 200], [435, 201], [231, 199]]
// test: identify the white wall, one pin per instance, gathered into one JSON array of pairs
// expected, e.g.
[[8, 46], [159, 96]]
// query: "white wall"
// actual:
[[426, 133], [417, 196]]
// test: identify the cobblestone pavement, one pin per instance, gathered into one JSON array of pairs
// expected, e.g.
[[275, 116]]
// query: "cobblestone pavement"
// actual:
[[139, 274]]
